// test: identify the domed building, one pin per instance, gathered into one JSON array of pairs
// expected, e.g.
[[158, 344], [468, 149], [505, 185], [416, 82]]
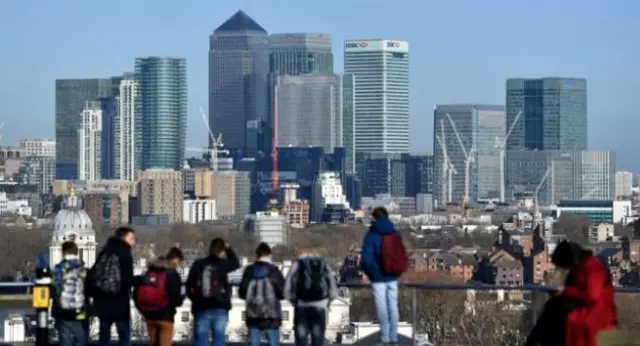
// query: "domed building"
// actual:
[[73, 224]]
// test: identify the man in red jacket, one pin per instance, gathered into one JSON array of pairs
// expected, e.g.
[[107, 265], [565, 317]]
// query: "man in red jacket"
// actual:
[[589, 284]]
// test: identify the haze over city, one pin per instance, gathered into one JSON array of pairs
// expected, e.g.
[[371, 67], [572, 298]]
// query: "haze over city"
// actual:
[[460, 52]]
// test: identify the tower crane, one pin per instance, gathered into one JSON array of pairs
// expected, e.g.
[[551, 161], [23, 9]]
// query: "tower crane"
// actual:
[[468, 161], [545, 177], [447, 173], [501, 145], [216, 144]]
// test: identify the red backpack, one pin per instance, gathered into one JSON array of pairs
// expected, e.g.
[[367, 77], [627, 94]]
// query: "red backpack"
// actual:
[[394, 255], [151, 295]]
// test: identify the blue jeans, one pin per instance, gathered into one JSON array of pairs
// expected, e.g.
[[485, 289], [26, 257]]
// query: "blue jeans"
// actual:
[[385, 296], [309, 322], [72, 333], [210, 321], [255, 334], [123, 328]]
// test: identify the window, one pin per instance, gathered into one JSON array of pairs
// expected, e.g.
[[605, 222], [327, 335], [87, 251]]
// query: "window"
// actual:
[[244, 315], [185, 316], [285, 315]]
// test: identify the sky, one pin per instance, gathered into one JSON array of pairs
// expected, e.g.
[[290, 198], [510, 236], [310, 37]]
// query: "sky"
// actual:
[[460, 51]]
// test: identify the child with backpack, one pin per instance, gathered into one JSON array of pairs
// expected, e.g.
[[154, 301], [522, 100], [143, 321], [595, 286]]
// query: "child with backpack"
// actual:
[[69, 300], [383, 259], [310, 286], [157, 294], [262, 288]]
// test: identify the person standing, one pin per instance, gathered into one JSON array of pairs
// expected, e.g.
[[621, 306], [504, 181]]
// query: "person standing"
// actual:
[[310, 286], [111, 280], [210, 293], [262, 288], [69, 300], [383, 259], [157, 295]]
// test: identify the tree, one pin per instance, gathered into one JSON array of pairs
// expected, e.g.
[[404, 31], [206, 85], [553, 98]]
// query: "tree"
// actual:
[[575, 227]]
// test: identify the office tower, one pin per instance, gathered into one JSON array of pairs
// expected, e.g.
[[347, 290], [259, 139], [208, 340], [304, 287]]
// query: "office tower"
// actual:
[[348, 121], [381, 69], [595, 175], [127, 128], [38, 147], [160, 193], [71, 96], [162, 85], [300, 54], [232, 193], [238, 82], [89, 141], [477, 127], [624, 183], [308, 111], [109, 108], [400, 175], [554, 113]]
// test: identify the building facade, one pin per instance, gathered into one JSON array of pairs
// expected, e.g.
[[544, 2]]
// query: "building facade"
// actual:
[[89, 142], [468, 130], [624, 183], [127, 130], [198, 210], [162, 85], [109, 114], [232, 193], [381, 70], [38, 147], [160, 193], [554, 113], [297, 54], [238, 81]]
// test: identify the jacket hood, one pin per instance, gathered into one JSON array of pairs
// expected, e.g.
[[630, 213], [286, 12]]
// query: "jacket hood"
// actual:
[[383, 226], [116, 243], [261, 269]]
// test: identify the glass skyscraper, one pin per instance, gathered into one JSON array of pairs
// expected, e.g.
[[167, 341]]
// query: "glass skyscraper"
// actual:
[[238, 83], [554, 113], [381, 70], [477, 127], [300, 54], [162, 83]]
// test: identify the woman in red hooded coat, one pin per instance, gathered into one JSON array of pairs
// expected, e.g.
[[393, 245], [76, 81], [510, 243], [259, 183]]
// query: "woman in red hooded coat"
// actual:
[[589, 284]]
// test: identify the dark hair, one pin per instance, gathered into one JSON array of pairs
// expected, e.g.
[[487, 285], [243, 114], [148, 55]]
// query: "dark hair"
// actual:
[[380, 213], [567, 254], [217, 246], [263, 249], [69, 248], [175, 253], [122, 232]]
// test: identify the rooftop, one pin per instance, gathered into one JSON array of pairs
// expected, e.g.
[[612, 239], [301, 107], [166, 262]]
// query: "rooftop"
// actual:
[[585, 204], [240, 21]]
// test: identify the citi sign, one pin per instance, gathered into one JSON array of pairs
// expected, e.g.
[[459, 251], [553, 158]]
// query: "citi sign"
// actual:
[[356, 45]]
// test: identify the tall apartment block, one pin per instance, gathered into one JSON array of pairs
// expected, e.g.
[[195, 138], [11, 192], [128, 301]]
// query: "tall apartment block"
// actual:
[[38, 147], [238, 83], [71, 97], [89, 142], [624, 184], [128, 134], [160, 193], [467, 130], [162, 86], [232, 193], [381, 70]]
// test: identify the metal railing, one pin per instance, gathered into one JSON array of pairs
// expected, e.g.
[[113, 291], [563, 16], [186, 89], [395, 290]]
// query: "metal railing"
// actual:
[[426, 306]]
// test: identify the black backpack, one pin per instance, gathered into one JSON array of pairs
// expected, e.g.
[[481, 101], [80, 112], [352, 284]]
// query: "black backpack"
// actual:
[[313, 280], [211, 283], [106, 277]]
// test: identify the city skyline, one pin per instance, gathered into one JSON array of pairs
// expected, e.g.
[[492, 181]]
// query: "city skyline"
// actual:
[[602, 101]]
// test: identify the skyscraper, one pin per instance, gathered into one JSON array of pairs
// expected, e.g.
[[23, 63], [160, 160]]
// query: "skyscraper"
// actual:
[[71, 97], [349, 121], [162, 83], [300, 54], [309, 111], [127, 131], [381, 69], [477, 127], [238, 82], [109, 108], [554, 113], [89, 141]]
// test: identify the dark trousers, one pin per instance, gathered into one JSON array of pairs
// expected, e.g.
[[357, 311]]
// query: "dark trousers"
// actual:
[[72, 333], [309, 322], [123, 329]]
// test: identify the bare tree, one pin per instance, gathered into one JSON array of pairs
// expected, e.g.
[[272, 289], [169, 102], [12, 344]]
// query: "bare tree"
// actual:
[[575, 227]]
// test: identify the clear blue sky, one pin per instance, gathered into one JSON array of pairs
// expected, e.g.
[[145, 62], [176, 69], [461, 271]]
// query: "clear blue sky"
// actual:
[[461, 51]]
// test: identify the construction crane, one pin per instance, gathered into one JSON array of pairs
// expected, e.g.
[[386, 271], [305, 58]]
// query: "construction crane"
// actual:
[[545, 177], [590, 193], [216, 144], [447, 173], [501, 145], [468, 161]]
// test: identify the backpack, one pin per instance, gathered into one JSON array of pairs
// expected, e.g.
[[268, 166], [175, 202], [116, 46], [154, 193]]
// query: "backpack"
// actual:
[[394, 255], [261, 301], [151, 294], [210, 283], [70, 288], [313, 280], [107, 278]]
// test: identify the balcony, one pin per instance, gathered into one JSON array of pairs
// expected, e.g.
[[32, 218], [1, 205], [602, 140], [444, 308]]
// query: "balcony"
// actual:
[[442, 313]]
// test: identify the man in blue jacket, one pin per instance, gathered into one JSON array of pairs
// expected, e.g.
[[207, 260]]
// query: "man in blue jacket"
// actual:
[[384, 286]]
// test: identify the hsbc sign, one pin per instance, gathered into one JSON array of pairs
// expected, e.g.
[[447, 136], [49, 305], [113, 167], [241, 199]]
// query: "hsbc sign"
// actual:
[[393, 44], [356, 45]]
